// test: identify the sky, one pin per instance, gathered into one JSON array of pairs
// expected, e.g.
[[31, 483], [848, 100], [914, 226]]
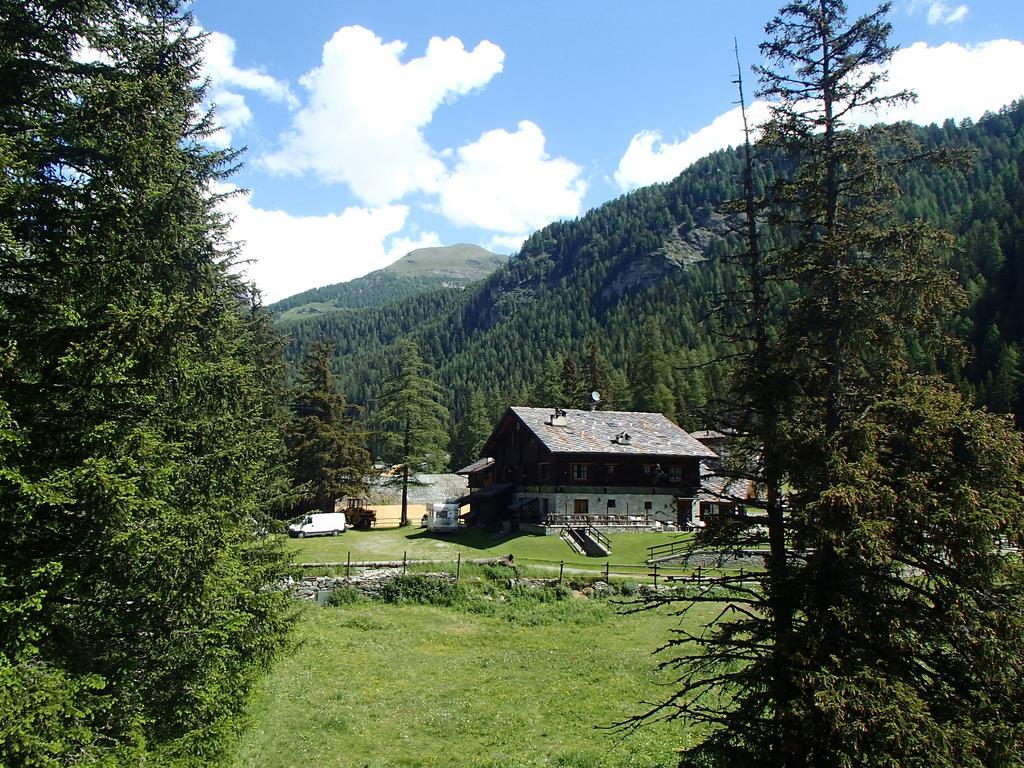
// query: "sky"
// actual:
[[374, 128]]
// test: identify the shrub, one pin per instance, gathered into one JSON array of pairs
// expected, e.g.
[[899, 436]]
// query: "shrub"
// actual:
[[345, 594], [495, 572], [542, 594], [422, 589]]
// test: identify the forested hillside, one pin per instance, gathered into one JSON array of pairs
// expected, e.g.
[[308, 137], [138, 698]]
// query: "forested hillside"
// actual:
[[662, 252], [424, 269]]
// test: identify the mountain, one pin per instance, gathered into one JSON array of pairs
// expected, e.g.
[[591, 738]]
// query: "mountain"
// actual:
[[424, 269], [662, 252]]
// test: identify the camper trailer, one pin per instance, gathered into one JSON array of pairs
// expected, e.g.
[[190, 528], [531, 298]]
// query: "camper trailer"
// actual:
[[443, 518]]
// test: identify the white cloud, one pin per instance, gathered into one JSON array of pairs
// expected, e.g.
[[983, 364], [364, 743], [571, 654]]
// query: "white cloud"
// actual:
[[286, 254], [649, 158], [951, 81], [955, 81], [363, 119], [506, 243], [940, 13], [400, 246], [219, 66], [232, 111], [507, 182], [226, 79]]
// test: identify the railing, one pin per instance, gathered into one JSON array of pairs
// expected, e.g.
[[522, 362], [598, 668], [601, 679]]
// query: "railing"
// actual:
[[599, 537], [668, 549], [607, 571], [606, 520]]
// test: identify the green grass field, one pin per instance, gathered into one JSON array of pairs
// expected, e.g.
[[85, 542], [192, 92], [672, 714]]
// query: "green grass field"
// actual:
[[522, 683], [418, 544], [307, 310]]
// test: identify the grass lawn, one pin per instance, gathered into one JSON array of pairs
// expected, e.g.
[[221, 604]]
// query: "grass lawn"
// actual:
[[374, 685], [390, 544]]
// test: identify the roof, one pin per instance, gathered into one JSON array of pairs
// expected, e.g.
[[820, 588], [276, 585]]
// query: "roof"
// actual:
[[492, 490], [649, 434], [719, 488], [708, 434], [477, 466]]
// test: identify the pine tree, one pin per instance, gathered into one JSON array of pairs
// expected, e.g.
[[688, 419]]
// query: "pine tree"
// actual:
[[888, 628], [596, 377], [138, 402], [574, 385], [411, 420], [471, 432], [547, 389], [327, 449], [652, 374]]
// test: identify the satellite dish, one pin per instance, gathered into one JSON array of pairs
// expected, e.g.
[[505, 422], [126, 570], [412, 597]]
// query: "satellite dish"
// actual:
[[595, 396]]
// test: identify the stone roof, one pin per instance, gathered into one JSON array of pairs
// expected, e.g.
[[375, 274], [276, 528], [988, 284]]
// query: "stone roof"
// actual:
[[477, 466], [719, 488], [611, 432], [708, 434]]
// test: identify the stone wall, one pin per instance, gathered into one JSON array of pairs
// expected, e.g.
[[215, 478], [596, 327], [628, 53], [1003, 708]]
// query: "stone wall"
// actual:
[[370, 582]]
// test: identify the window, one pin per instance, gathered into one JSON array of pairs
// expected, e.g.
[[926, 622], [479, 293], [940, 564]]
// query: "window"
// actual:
[[675, 474], [580, 506], [611, 503], [580, 471], [610, 469], [544, 471], [650, 469], [648, 506]]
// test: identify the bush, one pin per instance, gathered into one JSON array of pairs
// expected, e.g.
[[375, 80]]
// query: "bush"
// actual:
[[495, 572], [422, 589], [345, 594], [542, 594], [630, 588]]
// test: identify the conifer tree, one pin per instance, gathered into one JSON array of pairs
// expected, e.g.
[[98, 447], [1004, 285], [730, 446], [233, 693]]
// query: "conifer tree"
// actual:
[[597, 377], [139, 404], [327, 448], [411, 419], [888, 628], [471, 432], [619, 391], [652, 375], [547, 389], [574, 385]]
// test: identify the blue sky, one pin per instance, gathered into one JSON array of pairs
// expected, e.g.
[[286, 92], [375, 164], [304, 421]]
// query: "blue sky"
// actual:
[[376, 127]]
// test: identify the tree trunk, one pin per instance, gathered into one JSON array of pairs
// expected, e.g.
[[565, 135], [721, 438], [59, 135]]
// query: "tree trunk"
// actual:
[[405, 477]]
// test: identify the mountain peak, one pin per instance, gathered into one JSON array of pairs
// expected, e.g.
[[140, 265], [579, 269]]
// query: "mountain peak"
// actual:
[[424, 269], [460, 260]]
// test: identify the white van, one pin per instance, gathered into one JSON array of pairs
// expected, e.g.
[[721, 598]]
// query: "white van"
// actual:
[[322, 524]]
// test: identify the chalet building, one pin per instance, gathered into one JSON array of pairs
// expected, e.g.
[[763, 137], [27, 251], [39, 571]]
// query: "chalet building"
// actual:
[[545, 467], [721, 496]]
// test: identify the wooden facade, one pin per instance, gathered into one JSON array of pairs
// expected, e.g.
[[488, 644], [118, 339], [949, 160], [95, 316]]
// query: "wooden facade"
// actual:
[[610, 468]]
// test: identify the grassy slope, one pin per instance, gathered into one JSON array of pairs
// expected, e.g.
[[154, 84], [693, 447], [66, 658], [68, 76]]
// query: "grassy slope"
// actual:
[[381, 685], [303, 311], [418, 271], [627, 548], [472, 260]]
